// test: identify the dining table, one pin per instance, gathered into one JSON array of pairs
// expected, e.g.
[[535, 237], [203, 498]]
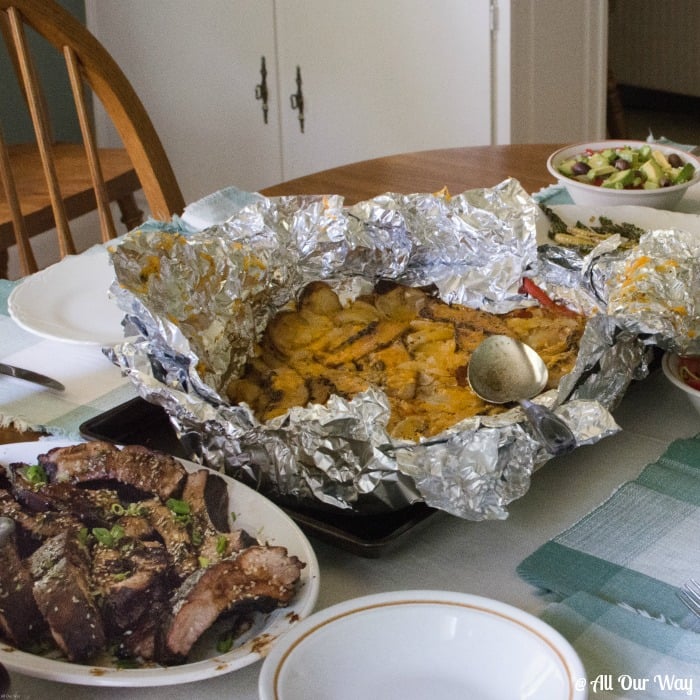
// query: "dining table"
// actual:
[[444, 552]]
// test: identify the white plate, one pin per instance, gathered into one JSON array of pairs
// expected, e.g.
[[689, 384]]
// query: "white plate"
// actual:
[[256, 514], [69, 301], [422, 644], [645, 217]]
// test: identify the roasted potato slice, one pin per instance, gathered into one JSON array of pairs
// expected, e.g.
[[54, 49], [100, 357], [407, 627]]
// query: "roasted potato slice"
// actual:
[[402, 340]]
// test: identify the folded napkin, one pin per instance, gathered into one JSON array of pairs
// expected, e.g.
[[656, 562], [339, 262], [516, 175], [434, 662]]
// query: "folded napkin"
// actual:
[[617, 571], [93, 384], [627, 655], [638, 547], [216, 208]]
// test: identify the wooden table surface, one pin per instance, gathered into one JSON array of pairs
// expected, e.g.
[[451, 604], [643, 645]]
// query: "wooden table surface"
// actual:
[[458, 169]]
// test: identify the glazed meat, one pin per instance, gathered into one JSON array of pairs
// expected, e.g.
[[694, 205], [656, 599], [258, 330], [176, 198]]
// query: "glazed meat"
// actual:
[[261, 575], [143, 469], [20, 618], [402, 340], [60, 569], [85, 569]]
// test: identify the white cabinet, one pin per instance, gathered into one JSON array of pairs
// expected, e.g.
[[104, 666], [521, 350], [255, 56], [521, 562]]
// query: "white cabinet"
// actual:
[[377, 77], [195, 66], [382, 77]]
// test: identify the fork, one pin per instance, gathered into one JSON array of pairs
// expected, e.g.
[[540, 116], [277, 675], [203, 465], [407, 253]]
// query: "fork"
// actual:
[[689, 595]]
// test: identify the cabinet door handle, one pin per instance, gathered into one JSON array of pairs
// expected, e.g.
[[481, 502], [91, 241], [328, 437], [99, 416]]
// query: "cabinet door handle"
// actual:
[[261, 89], [297, 100]]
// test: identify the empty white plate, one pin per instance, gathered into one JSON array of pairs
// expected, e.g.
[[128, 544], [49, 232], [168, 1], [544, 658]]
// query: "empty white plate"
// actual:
[[69, 301]]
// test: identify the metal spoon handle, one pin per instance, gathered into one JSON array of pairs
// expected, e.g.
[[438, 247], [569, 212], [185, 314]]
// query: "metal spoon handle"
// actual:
[[554, 433]]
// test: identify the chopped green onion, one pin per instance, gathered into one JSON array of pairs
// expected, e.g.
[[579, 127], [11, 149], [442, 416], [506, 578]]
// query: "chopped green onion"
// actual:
[[178, 507], [106, 537], [224, 643], [103, 536], [36, 475]]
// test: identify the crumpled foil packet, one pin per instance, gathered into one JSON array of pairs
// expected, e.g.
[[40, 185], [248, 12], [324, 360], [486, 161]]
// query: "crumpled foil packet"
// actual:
[[196, 304]]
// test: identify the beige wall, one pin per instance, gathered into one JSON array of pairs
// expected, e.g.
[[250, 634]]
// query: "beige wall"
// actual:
[[656, 45]]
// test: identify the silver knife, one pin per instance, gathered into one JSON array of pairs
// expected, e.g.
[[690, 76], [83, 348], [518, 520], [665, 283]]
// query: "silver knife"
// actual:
[[30, 376]]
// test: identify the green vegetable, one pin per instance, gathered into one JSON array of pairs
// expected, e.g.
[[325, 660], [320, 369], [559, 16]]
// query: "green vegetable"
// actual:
[[585, 236], [35, 474], [178, 507], [224, 643], [132, 509], [181, 509], [628, 168], [106, 537]]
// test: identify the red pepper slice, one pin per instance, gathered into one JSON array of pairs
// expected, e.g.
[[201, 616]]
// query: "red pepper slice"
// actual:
[[529, 287]]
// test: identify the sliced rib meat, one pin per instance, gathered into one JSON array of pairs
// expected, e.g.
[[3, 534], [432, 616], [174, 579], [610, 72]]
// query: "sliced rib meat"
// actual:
[[35, 527], [60, 569], [207, 495], [174, 534], [20, 620], [130, 580], [91, 506], [146, 470], [263, 574]]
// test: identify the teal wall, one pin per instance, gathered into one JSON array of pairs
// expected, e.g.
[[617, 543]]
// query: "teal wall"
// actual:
[[14, 118]]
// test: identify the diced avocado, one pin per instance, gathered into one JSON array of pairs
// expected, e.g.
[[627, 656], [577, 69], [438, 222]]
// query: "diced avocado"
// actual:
[[600, 171], [620, 179], [661, 159], [644, 153], [684, 174], [628, 154], [566, 167], [598, 160], [651, 170]]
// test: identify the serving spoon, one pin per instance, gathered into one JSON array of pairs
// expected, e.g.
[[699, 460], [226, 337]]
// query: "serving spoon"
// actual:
[[503, 369]]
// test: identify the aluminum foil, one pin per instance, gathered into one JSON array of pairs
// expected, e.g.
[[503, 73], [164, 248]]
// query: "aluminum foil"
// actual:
[[196, 304]]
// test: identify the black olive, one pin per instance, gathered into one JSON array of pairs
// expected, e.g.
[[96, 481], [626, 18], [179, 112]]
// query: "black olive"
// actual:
[[622, 164], [674, 160], [580, 168]]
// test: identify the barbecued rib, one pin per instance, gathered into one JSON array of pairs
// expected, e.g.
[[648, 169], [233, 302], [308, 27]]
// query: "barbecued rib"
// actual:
[[266, 575], [144, 469], [35, 527], [20, 620], [130, 579], [207, 496], [62, 591]]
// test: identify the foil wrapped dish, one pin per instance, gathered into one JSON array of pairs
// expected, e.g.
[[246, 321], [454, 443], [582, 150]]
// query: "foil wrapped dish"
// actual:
[[240, 332]]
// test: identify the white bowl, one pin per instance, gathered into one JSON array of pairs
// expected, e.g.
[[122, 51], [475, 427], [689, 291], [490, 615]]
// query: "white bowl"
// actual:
[[585, 194], [669, 364], [420, 644]]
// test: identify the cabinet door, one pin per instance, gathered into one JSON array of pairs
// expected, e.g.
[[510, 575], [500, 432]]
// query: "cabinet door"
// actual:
[[382, 77], [196, 66]]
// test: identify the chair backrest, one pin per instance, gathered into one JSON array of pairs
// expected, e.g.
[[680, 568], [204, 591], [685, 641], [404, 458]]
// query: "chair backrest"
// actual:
[[88, 63]]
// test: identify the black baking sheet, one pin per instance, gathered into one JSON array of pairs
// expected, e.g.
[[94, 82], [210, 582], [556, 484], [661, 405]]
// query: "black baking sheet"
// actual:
[[138, 422]]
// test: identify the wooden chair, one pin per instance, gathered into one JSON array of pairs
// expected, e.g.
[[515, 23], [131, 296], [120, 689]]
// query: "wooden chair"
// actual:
[[45, 184], [616, 124]]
